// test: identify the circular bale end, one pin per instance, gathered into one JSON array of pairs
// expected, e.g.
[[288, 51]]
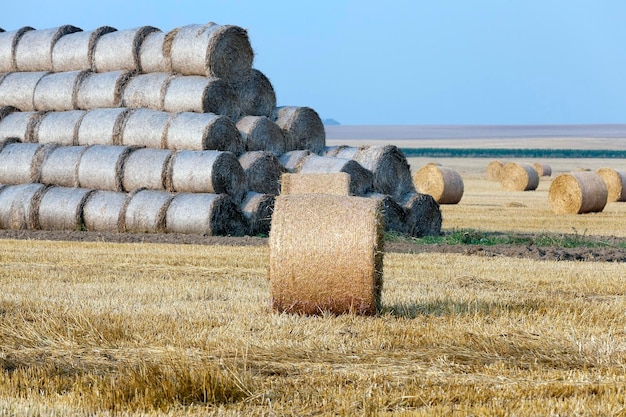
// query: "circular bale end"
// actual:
[[578, 193], [392, 173], [615, 181], [257, 208], [444, 184], [303, 128], [261, 134], [263, 171], [494, 170], [423, 215], [519, 177], [256, 95]]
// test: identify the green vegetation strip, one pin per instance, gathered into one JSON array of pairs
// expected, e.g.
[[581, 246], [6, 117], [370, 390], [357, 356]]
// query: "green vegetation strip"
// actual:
[[511, 153]]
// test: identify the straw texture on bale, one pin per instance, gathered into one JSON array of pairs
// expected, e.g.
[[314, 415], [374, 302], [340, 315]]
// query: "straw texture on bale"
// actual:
[[154, 53], [119, 50], [393, 213], [146, 90], [58, 91], [334, 150], [19, 205], [261, 134], [18, 89], [263, 171], [293, 160], [201, 95], [145, 127], [34, 49], [615, 181], [6, 110], [8, 46], [444, 184], [75, 51], [101, 167], [494, 170], [59, 127], [205, 214], [543, 169], [61, 208], [326, 254], [203, 131], [20, 163], [102, 126], [146, 211], [578, 193], [212, 50], [519, 177], [423, 215], [146, 168], [337, 183], [104, 211], [20, 125], [361, 180], [257, 208], [102, 90], [60, 167], [302, 126], [207, 172], [256, 95], [7, 141]]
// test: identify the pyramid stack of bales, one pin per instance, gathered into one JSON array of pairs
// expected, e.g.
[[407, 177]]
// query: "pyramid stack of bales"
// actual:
[[140, 130]]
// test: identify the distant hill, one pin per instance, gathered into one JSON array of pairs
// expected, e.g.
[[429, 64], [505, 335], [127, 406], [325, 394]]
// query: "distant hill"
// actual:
[[331, 122]]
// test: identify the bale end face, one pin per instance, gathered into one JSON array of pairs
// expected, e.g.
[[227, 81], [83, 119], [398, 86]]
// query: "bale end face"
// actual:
[[578, 193]]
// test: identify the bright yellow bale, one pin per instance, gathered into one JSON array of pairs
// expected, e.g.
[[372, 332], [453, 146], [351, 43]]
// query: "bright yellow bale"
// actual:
[[444, 184]]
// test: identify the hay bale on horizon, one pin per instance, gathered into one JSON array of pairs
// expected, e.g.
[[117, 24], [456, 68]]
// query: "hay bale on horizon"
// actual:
[[19, 205], [104, 211], [393, 213], [256, 95], [61, 208], [303, 128], [494, 170], [146, 210], [17, 89], [615, 181], [361, 179], [423, 215], [263, 171], [519, 177], [8, 45], [203, 131], [146, 168], [337, 183], [60, 128], [75, 51], [102, 90], [444, 184], [293, 160], [261, 134], [119, 50], [578, 193], [20, 125], [58, 91], [34, 48], [154, 52], [102, 126], [20, 163], [193, 93], [60, 167], [257, 208], [345, 235], [543, 169], [146, 90], [145, 127], [101, 167]]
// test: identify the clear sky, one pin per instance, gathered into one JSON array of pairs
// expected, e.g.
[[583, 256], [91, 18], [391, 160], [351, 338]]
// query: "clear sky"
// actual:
[[404, 62]]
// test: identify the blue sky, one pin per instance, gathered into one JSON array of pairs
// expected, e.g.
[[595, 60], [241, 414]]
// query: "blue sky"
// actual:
[[405, 62]]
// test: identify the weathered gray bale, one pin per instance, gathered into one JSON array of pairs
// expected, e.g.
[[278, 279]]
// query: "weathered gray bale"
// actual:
[[256, 95], [347, 152], [212, 50], [34, 48], [207, 172], [146, 210], [146, 90], [263, 171], [154, 53], [147, 168], [201, 95], [59, 127], [102, 126], [257, 208], [361, 180], [60, 167], [58, 91], [119, 50], [7, 141], [423, 214], [392, 173], [104, 211], [102, 90], [334, 150], [203, 131], [205, 214], [8, 45], [19, 205], [393, 213], [20, 125], [102, 166], [6, 110], [145, 127], [18, 89], [261, 134], [75, 51], [302, 126], [61, 208], [20, 163], [293, 160]]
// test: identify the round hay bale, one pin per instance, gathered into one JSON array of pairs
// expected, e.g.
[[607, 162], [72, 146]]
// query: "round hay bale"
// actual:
[[263, 171], [102, 126], [18, 89], [201, 95], [326, 254], [391, 171], [75, 51], [293, 160], [8, 45], [20, 125], [6, 110], [361, 180], [578, 193], [256, 95], [334, 150], [7, 141], [101, 167], [59, 127], [20, 163], [393, 213], [19, 205], [61, 208], [146, 90], [119, 50], [347, 152], [261, 134], [444, 184], [494, 170], [146, 168], [302, 126], [61, 166], [145, 127], [257, 208], [34, 48], [543, 169], [519, 177], [212, 50], [205, 214], [58, 91], [102, 90], [423, 215], [203, 131], [146, 211], [337, 183], [154, 53], [615, 181], [104, 211]]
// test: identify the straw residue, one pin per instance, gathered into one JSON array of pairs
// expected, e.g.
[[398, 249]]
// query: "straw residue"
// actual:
[[58, 91], [423, 215], [146, 168], [578, 193], [34, 49], [101, 167], [201, 95], [203, 131], [20, 125], [104, 211], [361, 180], [145, 127], [146, 211], [494, 170], [19, 205], [261, 134], [61, 208], [18, 89], [256, 95], [543, 169], [205, 214], [257, 208], [444, 184], [615, 181], [59, 127], [8, 46], [146, 90], [337, 183], [154, 55], [263, 171], [519, 177], [102, 126], [102, 90], [60, 167], [302, 126], [75, 51], [119, 50], [20, 163]]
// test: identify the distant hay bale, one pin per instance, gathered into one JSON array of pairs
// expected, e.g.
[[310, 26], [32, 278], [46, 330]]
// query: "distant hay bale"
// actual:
[[615, 181], [207, 172], [58, 91], [200, 95], [423, 215], [34, 48], [19, 205], [146, 168], [145, 127], [205, 214], [393, 213], [60, 167], [146, 211], [519, 177], [390, 169], [203, 131], [326, 254], [444, 184], [361, 180], [102, 90], [75, 51], [302, 126], [257, 208], [293, 160], [8, 46], [102, 126], [101, 167], [261, 134], [146, 90], [61, 208], [119, 50], [212, 50], [154, 53], [59, 127], [543, 169], [337, 183], [494, 170], [104, 211], [20, 125], [256, 95], [578, 193], [18, 89], [20, 163], [263, 171]]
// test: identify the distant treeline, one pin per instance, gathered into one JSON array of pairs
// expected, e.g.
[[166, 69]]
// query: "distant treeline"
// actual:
[[511, 153]]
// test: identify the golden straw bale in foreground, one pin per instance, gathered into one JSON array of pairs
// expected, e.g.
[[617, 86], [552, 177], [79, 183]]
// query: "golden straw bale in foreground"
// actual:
[[615, 181], [519, 177], [444, 184], [577, 193], [336, 183]]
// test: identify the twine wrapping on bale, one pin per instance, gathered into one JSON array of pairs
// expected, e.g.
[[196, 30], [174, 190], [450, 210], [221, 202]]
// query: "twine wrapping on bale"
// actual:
[[203, 131], [257, 208], [19, 205], [494, 170], [101, 167], [146, 168], [293, 160], [578, 193], [34, 49], [145, 127], [119, 50], [146, 90], [261, 134], [519, 177], [361, 180], [337, 183], [18, 89], [393, 213], [102, 126], [58, 91], [154, 53], [61, 208], [543, 169], [20, 163], [423, 215], [20, 125], [8, 46], [263, 171], [59, 127], [146, 211], [444, 184], [207, 172], [205, 214], [615, 181], [201, 95], [302, 126], [102, 90], [256, 95], [212, 50], [104, 211], [75, 51], [61, 166], [326, 254]]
